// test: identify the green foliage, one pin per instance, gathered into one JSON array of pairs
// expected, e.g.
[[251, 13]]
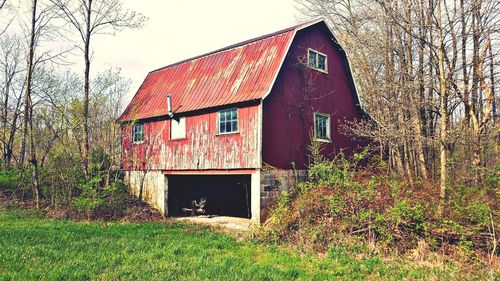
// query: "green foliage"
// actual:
[[403, 213], [343, 199], [466, 246], [9, 180], [334, 172], [87, 205], [339, 253], [99, 162], [478, 213], [337, 205], [89, 200], [65, 185], [93, 198], [61, 175], [492, 178]]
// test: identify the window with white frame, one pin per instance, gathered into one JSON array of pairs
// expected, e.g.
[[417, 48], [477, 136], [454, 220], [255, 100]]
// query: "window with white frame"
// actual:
[[228, 121], [138, 132], [317, 60], [321, 126], [178, 128]]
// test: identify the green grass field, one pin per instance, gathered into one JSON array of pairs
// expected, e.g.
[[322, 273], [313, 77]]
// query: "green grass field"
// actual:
[[33, 247]]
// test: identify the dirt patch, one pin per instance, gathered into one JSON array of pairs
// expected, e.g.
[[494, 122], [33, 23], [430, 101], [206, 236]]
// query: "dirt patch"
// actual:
[[141, 212], [232, 223]]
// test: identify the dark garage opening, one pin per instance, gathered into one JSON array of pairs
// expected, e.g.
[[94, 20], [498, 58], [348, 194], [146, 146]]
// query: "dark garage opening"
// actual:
[[225, 195]]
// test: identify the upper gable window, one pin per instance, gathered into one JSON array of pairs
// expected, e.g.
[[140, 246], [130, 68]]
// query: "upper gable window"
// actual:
[[317, 60], [178, 128], [228, 121], [138, 132], [322, 126]]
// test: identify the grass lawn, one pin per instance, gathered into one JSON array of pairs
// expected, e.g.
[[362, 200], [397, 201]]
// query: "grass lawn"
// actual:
[[33, 247]]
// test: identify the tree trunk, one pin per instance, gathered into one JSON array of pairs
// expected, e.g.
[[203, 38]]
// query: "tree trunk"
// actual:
[[28, 110], [86, 92], [4, 118], [492, 81], [443, 110]]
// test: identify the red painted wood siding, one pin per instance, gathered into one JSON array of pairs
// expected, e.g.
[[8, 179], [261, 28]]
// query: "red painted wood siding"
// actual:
[[299, 92], [202, 149]]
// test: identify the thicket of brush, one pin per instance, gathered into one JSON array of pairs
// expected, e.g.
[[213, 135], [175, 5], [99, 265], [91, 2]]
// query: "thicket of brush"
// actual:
[[67, 193], [346, 204]]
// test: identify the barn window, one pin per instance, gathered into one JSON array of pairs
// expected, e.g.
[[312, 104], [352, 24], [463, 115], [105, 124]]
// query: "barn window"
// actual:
[[322, 126], [138, 132], [178, 128], [228, 121], [317, 60]]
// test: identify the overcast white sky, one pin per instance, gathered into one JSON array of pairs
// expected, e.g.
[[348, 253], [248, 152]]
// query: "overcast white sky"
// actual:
[[180, 29]]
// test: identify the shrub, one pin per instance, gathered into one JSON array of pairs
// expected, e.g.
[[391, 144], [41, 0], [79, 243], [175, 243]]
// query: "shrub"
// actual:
[[60, 176], [87, 205], [9, 180], [343, 199]]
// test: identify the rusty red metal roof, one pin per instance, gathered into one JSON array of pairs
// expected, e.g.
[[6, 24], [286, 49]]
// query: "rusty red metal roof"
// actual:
[[237, 73]]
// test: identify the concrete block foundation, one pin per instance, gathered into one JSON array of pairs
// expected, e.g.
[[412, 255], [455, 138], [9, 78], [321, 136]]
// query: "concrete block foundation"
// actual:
[[266, 186], [272, 183]]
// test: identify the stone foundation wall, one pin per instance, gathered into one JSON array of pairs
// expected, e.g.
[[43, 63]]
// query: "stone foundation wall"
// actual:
[[272, 183], [154, 188], [265, 188]]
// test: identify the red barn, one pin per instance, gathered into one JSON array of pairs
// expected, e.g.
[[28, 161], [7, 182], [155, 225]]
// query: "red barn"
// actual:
[[233, 125]]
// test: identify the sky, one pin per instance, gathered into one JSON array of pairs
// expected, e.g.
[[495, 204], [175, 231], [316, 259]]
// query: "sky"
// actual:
[[181, 29]]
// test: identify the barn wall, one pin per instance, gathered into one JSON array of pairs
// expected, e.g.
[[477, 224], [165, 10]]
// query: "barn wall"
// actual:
[[299, 92], [155, 188], [202, 149]]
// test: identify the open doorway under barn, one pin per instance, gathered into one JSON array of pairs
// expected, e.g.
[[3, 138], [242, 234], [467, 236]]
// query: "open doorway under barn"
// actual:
[[225, 195]]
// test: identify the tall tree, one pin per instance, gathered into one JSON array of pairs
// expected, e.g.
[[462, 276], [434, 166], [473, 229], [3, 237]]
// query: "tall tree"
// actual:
[[11, 58], [433, 72], [28, 109], [443, 108], [89, 18], [41, 16]]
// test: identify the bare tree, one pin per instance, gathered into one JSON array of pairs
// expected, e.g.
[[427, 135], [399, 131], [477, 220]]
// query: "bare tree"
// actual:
[[426, 72], [28, 109], [89, 18], [39, 28], [106, 102], [443, 108], [10, 63]]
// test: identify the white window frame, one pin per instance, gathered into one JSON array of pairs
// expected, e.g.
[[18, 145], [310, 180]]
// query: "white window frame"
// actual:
[[182, 122], [218, 122], [134, 133], [328, 127], [316, 67]]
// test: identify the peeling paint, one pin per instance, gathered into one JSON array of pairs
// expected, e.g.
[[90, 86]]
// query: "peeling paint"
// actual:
[[202, 149]]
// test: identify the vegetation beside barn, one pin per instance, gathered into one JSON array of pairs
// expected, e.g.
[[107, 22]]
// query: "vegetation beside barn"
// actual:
[[345, 206]]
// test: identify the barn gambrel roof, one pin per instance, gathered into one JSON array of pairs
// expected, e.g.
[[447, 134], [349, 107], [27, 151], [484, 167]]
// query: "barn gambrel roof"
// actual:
[[238, 73]]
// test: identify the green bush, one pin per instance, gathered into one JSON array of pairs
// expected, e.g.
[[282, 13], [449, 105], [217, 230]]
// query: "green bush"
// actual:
[[403, 213], [337, 205], [60, 176], [344, 199], [9, 180], [87, 205]]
